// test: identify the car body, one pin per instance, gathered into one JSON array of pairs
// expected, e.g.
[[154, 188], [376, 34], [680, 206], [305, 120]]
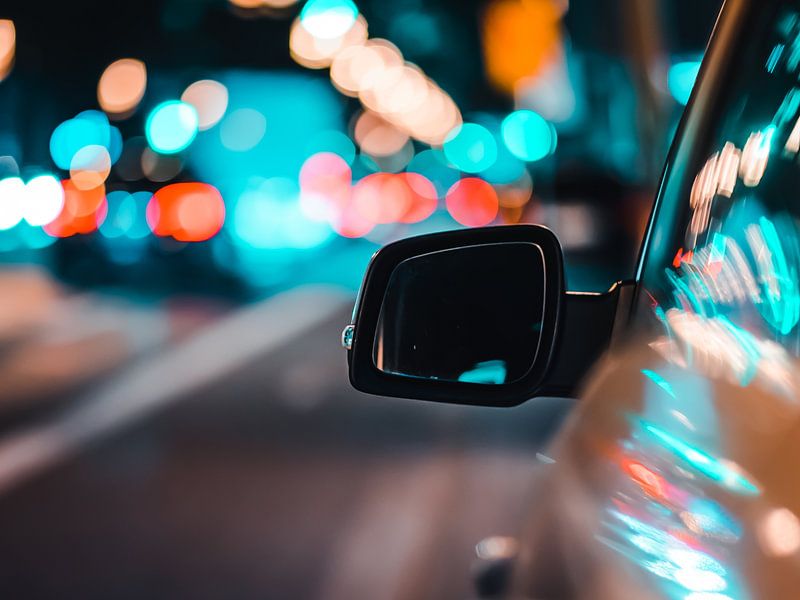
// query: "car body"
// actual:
[[676, 474]]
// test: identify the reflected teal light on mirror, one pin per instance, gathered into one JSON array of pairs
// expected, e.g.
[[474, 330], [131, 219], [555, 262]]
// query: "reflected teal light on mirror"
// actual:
[[681, 80], [781, 306], [659, 381], [706, 516], [699, 580], [171, 126], [701, 461], [775, 57], [488, 372]]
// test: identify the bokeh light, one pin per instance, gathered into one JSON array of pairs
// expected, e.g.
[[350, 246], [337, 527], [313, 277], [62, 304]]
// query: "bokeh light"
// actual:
[[251, 4], [89, 128], [126, 215], [12, 201], [129, 165], [317, 53], [400, 90], [378, 137], [472, 202], [242, 129], [160, 167], [423, 198], [528, 136], [44, 198], [350, 223], [332, 141], [82, 211], [382, 198], [681, 79], [325, 186], [433, 165], [171, 126], [328, 19], [121, 87], [471, 148], [8, 45], [188, 212], [357, 68], [521, 38], [90, 167], [210, 99], [268, 216]]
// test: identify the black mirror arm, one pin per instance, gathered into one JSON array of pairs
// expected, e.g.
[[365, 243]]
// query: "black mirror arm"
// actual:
[[589, 324]]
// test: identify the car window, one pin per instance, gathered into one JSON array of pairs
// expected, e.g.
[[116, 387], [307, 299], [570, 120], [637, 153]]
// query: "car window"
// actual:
[[721, 274]]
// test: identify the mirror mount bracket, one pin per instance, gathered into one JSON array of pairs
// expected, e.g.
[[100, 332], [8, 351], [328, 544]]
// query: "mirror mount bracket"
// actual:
[[591, 323]]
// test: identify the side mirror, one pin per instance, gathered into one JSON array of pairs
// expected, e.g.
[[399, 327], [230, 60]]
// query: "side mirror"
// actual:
[[470, 316]]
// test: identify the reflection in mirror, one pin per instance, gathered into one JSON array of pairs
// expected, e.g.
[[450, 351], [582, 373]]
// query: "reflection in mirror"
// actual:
[[471, 314]]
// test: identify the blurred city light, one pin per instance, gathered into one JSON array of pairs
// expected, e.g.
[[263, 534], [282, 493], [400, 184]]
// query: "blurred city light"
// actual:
[[82, 211], [681, 80], [433, 165], [471, 148], [44, 198], [382, 198], [8, 46], [12, 201], [472, 202], [188, 212], [423, 198], [242, 129], [90, 167], [121, 87], [171, 126], [251, 4], [378, 137], [521, 38], [318, 53], [160, 167], [328, 19], [528, 136], [126, 215], [332, 141], [268, 216], [210, 99], [89, 128]]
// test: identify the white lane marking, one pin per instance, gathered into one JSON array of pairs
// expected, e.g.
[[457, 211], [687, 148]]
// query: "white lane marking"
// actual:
[[167, 377]]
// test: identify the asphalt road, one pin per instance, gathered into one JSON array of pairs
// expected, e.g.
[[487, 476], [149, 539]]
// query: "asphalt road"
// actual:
[[269, 478]]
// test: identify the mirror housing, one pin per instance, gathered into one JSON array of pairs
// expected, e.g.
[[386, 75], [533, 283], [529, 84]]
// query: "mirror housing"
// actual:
[[365, 374], [574, 329]]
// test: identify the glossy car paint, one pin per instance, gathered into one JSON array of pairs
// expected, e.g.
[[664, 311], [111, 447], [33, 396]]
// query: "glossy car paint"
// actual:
[[677, 475]]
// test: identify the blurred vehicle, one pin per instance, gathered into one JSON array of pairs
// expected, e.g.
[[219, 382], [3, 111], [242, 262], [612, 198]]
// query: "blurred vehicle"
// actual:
[[675, 475]]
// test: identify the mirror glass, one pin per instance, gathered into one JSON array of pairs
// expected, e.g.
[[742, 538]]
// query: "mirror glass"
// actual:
[[471, 314]]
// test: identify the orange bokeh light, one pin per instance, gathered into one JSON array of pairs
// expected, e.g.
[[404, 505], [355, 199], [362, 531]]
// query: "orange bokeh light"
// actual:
[[188, 212], [83, 211], [8, 45], [382, 197], [121, 87], [423, 198], [378, 137], [472, 202], [520, 38]]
